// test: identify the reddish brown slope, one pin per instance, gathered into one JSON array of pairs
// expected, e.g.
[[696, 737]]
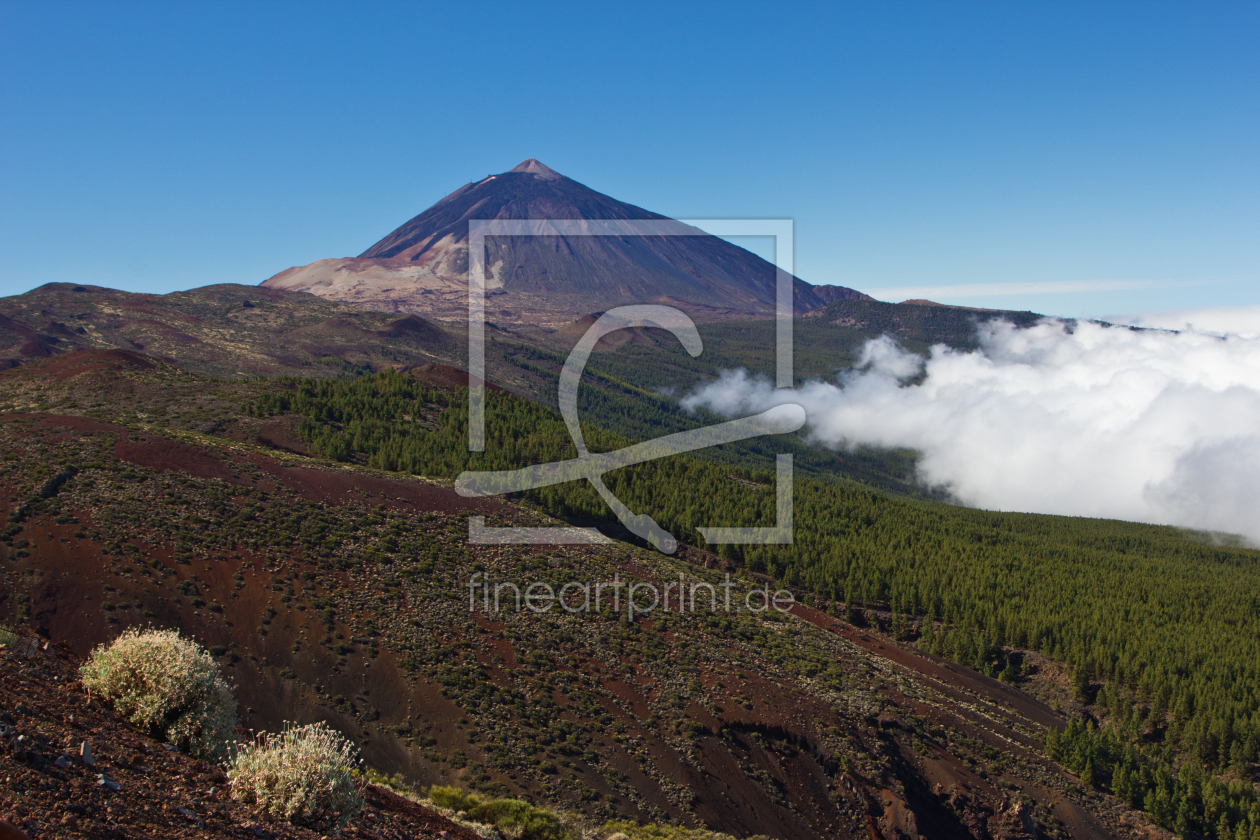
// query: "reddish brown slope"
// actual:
[[385, 649], [50, 792]]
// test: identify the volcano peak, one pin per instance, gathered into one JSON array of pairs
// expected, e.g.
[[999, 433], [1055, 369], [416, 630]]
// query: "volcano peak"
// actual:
[[422, 266], [537, 169]]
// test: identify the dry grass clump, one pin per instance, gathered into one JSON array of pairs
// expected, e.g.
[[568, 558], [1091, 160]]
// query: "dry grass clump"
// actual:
[[160, 680], [305, 774]]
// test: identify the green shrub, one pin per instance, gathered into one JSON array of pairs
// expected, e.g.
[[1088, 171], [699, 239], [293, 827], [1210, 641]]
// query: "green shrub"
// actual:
[[305, 774], [512, 817], [626, 830], [395, 782], [452, 798], [160, 680]]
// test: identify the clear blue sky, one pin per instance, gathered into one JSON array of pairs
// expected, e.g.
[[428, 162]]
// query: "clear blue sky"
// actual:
[[1114, 146]]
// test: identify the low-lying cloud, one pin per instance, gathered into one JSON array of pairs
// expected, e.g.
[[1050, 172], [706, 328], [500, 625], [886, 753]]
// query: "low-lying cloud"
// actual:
[[1238, 320], [1083, 419]]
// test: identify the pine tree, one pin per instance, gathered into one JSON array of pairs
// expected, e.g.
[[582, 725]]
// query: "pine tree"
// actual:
[[1080, 682], [1088, 776]]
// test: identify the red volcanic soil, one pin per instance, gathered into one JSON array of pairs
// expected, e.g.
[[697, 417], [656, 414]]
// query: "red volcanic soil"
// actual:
[[333, 487], [325, 485], [939, 670], [444, 377], [753, 721], [643, 336], [282, 433], [163, 454], [87, 361], [1002, 724], [75, 572], [56, 422], [160, 793], [35, 350], [922, 302]]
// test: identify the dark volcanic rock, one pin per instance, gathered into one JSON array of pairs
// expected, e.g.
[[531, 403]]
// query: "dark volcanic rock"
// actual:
[[422, 266]]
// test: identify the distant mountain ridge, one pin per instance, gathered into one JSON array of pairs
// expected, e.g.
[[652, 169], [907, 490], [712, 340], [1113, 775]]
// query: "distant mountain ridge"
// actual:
[[422, 265], [920, 321], [223, 330]]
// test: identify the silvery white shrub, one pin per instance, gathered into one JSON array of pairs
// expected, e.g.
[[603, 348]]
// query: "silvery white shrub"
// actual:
[[160, 680], [305, 774]]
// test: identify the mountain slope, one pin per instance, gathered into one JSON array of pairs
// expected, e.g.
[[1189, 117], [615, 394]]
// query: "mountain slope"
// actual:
[[222, 330], [921, 322], [50, 791], [337, 593], [422, 266]]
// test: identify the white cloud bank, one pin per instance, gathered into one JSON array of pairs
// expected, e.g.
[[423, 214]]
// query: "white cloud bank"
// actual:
[[1239, 320], [1050, 287], [1149, 426]]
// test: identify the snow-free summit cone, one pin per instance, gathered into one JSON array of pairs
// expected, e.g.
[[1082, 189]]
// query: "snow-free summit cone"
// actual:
[[536, 167], [422, 266]]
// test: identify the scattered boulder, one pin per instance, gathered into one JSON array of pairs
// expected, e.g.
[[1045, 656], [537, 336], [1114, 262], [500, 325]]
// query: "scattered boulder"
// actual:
[[9, 831]]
